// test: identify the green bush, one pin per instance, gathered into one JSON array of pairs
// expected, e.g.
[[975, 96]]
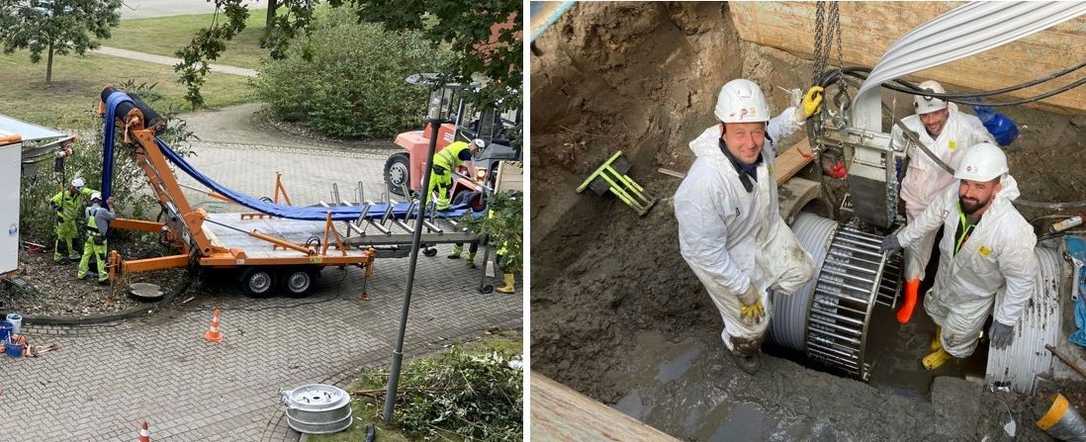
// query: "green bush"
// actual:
[[130, 192], [474, 395], [346, 79]]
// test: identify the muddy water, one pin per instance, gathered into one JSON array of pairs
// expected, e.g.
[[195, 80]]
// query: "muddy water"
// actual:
[[690, 389]]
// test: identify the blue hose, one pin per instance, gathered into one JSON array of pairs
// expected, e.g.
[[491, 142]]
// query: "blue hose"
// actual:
[[309, 213]]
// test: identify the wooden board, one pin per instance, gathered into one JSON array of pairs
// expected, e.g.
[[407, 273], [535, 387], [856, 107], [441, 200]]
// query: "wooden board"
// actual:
[[868, 28], [561, 414], [792, 160]]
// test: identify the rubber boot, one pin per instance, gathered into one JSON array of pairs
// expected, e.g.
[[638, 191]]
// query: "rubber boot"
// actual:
[[510, 284], [457, 249], [936, 359], [936, 342], [905, 313], [57, 256], [471, 260], [748, 362]]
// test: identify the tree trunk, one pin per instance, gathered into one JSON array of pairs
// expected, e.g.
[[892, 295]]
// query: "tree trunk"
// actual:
[[269, 23], [49, 66]]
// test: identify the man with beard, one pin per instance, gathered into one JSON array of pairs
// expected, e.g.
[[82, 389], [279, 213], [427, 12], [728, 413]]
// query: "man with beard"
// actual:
[[946, 132], [988, 256]]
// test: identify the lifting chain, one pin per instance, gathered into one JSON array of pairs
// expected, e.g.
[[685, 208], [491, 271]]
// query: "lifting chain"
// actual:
[[825, 34]]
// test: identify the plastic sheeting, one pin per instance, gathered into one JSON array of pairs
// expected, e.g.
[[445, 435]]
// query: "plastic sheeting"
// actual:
[[788, 326], [1076, 249], [309, 213]]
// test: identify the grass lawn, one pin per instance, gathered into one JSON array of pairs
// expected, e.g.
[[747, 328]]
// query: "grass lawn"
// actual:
[[165, 35], [72, 99], [369, 409]]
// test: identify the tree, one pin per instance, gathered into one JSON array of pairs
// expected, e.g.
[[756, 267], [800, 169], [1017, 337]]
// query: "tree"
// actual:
[[484, 34], [56, 27], [269, 21]]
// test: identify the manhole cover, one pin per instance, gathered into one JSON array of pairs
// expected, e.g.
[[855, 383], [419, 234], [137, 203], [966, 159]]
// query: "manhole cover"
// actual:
[[144, 291]]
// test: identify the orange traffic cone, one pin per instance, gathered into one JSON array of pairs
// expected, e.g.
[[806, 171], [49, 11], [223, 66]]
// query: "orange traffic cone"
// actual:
[[145, 434], [213, 334], [905, 313]]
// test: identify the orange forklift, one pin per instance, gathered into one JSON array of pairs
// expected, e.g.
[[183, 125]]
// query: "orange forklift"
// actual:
[[497, 132]]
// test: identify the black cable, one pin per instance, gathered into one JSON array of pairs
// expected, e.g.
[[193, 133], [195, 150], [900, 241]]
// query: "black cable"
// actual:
[[1026, 100], [853, 70], [906, 87]]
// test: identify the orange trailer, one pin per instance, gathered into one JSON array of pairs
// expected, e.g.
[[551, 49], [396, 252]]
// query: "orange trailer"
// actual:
[[267, 251]]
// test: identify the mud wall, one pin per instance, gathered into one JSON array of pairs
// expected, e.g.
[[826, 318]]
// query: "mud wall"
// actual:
[[641, 78]]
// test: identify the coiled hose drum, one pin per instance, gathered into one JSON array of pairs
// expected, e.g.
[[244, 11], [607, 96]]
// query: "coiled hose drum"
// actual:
[[828, 319]]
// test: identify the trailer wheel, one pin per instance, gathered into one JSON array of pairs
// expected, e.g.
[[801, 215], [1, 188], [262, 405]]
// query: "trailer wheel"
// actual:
[[257, 282], [397, 173], [298, 282]]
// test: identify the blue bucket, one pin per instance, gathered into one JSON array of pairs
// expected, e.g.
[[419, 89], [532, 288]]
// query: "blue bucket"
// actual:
[[13, 350], [5, 331]]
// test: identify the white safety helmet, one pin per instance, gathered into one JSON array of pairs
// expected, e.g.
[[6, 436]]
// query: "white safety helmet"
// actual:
[[982, 162], [741, 101], [96, 196], [78, 183], [925, 104]]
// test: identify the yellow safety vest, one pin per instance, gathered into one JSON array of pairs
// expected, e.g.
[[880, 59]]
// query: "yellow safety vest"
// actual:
[[449, 157]]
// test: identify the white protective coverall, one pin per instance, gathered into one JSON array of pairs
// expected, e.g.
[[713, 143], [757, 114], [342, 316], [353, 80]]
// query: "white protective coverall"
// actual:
[[924, 179], [732, 238], [995, 265]]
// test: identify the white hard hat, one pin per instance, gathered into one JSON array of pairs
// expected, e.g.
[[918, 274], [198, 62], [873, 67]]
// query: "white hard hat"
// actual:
[[479, 143], [925, 104], [982, 162], [741, 101], [96, 196], [78, 183]]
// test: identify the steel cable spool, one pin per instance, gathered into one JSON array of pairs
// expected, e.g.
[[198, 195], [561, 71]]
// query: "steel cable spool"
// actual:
[[829, 317], [850, 284]]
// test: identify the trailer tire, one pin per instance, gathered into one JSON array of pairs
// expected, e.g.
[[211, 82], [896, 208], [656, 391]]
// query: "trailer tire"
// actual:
[[397, 173], [258, 282], [297, 282]]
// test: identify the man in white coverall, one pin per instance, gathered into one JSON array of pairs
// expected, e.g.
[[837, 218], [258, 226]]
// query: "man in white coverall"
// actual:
[[947, 133], [730, 230], [988, 256]]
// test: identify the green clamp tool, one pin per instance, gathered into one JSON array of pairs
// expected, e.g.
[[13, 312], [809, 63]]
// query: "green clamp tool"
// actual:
[[611, 176]]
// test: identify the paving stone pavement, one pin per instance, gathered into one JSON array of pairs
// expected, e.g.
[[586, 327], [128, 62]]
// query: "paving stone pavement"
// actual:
[[107, 378]]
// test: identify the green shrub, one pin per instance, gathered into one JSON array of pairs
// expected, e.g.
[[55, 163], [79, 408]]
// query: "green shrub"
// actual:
[[346, 79], [475, 395], [130, 192]]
